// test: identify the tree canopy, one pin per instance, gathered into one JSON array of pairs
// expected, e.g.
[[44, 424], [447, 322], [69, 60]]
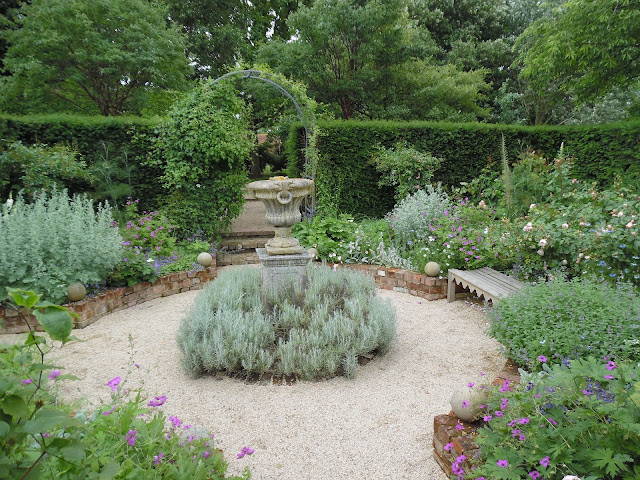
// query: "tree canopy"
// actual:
[[586, 47], [98, 51]]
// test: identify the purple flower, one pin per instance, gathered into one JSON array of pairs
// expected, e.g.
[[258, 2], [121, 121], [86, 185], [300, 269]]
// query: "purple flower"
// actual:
[[45, 435], [552, 421], [498, 413], [609, 377], [27, 381], [176, 422], [611, 365], [245, 451], [131, 437], [53, 374], [448, 446], [545, 462], [542, 358], [109, 412], [470, 384], [487, 418], [158, 458], [157, 401], [461, 459], [459, 426], [503, 463], [206, 454], [535, 475], [113, 383], [523, 421], [587, 392], [465, 404]]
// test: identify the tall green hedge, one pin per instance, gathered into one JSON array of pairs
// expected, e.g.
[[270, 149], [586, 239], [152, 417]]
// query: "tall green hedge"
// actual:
[[348, 182], [118, 139]]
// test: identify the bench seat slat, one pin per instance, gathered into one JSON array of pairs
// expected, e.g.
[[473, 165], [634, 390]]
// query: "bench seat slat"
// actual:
[[485, 281]]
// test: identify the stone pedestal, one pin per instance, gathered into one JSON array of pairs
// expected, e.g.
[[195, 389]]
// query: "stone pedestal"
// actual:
[[278, 271]]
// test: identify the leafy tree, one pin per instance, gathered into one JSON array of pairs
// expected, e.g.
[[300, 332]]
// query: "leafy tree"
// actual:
[[588, 47], [93, 51], [346, 50]]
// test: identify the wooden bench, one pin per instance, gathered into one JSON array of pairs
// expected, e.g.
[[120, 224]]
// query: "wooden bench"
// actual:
[[485, 282]]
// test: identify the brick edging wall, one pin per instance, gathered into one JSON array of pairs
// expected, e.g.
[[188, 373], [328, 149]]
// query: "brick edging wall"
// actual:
[[444, 429], [92, 308], [400, 280]]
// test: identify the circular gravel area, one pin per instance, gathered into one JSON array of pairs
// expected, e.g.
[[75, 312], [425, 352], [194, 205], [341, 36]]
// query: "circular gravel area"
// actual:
[[377, 425]]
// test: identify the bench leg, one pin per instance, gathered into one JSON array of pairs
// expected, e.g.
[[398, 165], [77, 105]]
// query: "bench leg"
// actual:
[[451, 289]]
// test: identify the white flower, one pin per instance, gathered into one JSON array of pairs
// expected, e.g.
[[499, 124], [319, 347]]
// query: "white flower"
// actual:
[[620, 214], [565, 225], [532, 206], [528, 227], [541, 252], [630, 224], [198, 185], [542, 242], [564, 262], [9, 203], [149, 260]]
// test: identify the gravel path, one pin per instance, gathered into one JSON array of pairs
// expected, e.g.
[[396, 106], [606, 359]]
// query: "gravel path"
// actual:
[[378, 425]]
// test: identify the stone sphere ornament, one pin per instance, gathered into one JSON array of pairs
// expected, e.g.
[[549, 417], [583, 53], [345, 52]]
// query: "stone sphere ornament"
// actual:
[[205, 259], [313, 252], [432, 269], [76, 292], [466, 403]]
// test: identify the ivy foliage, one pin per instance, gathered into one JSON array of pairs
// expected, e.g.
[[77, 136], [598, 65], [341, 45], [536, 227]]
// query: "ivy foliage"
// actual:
[[202, 146]]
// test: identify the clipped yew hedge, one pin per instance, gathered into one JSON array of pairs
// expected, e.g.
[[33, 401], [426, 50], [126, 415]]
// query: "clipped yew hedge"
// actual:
[[348, 182]]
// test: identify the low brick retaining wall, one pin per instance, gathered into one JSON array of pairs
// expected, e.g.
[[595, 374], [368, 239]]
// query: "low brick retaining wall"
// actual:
[[399, 280], [92, 308], [444, 430]]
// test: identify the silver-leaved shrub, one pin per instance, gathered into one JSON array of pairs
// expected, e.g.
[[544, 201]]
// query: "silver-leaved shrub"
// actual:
[[415, 216], [56, 241]]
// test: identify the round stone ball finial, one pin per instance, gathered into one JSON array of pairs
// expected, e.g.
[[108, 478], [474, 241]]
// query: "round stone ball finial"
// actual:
[[76, 292], [432, 269], [466, 403], [205, 259]]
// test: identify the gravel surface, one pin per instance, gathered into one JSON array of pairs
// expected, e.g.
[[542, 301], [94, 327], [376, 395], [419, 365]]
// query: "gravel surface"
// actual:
[[378, 425]]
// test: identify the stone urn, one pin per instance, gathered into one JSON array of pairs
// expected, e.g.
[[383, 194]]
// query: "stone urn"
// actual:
[[282, 197]]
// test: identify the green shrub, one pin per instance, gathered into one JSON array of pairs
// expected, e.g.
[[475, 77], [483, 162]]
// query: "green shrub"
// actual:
[[566, 320], [56, 241], [582, 419], [312, 333], [412, 219], [404, 168], [325, 233], [202, 146], [29, 169]]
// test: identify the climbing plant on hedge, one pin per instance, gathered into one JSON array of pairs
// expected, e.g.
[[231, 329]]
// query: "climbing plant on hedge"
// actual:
[[202, 146]]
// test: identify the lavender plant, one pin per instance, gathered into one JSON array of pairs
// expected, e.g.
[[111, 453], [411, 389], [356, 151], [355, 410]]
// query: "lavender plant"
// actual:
[[315, 333], [56, 241]]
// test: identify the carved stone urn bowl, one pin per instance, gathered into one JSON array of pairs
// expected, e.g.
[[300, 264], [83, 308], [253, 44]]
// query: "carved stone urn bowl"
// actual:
[[282, 197]]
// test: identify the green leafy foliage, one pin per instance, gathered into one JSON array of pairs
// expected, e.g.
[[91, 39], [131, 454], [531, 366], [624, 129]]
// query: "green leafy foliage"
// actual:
[[405, 168], [346, 183], [202, 146], [586, 46], [40, 437], [325, 233], [316, 332], [96, 53], [29, 169], [577, 419], [56, 241], [567, 320]]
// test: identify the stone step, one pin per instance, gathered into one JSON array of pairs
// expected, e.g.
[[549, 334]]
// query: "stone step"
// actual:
[[241, 257], [244, 242]]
